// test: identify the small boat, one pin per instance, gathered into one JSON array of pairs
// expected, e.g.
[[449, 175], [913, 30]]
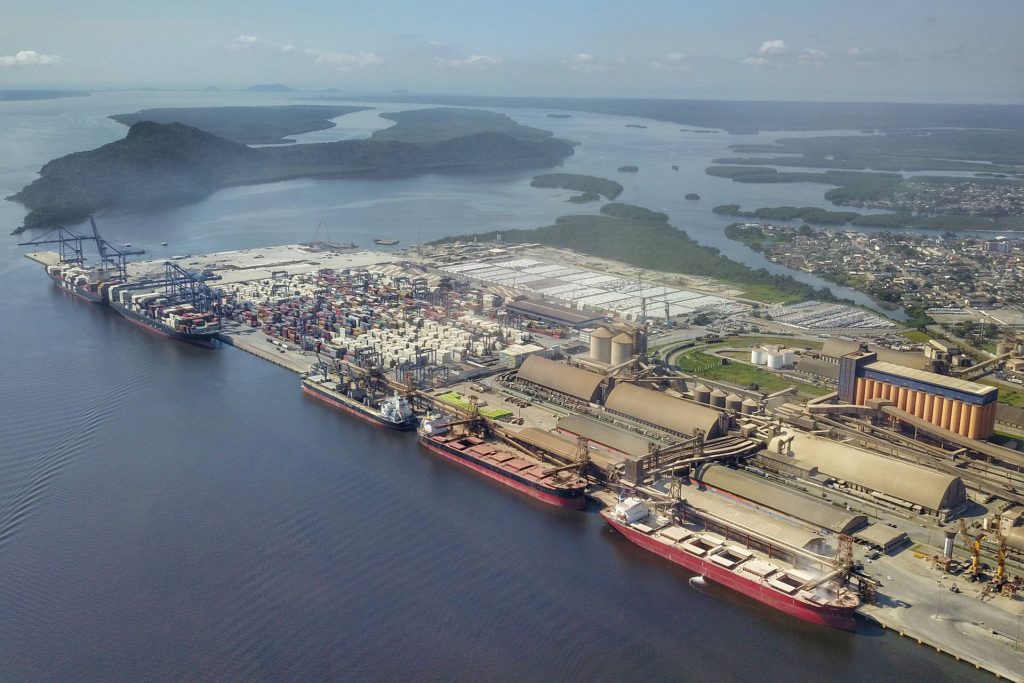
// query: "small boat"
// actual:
[[385, 242], [163, 244]]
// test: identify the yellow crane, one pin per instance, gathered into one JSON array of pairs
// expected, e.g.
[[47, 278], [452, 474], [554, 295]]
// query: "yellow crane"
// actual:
[[973, 542]]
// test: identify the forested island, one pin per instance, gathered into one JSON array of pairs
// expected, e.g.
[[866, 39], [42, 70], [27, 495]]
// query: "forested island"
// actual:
[[692, 196], [628, 168], [25, 95], [640, 237], [247, 125], [159, 165], [587, 184]]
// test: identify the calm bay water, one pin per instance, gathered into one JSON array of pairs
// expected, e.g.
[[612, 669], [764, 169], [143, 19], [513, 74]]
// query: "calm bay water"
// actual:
[[170, 513]]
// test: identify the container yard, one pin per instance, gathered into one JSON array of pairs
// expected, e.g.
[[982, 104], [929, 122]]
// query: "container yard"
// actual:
[[535, 374]]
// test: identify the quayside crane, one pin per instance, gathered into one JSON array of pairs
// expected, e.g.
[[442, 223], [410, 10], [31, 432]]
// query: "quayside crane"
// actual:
[[70, 249], [113, 256]]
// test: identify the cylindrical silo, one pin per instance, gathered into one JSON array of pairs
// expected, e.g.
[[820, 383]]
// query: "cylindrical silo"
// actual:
[[718, 398], [601, 345], [733, 402], [701, 394], [788, 357], [622, 349], [758, 356], [774, 360], [858, 396], [749, 407], [947, 545]]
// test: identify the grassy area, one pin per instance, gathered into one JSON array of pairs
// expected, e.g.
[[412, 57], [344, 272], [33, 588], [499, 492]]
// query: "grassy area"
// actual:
[[703, 364], [766, 293], [917, 336], [454, 398], [1007, 396]]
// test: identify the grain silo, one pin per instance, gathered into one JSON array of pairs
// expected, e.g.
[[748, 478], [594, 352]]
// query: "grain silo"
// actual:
[[601, 345], [701, 394], [749, 407], [622, 349], [718, 398], [733, 402]]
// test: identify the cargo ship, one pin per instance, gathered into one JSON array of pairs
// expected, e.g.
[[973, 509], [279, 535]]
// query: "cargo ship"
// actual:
[[391, 412], [85, 283], [156, 313], [514, 469], [769, 580]]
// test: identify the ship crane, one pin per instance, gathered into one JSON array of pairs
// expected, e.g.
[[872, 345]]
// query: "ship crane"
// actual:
[[70, 245]]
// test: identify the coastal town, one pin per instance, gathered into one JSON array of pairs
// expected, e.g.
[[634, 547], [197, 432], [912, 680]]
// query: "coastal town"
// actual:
[[941, 273]]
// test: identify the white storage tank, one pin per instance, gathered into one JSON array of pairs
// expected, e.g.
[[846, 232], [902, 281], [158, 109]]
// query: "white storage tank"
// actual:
[[601, 345], [622, 349], [775, 360], [788, 358], [758, 356]]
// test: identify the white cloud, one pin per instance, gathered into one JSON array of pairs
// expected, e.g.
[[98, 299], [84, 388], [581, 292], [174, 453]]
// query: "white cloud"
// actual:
[[675, 57], [771, 48], [584, 61], [674, 61], [471, 62], [756, 61], [344, 61], [812, 56], [853, 52], [29, 58]]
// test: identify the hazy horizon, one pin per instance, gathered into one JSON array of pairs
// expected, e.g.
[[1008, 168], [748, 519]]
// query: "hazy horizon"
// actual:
[[915, 51]]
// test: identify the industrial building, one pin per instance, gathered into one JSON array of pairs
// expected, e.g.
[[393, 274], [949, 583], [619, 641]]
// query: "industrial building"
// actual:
[[551, 313], [561, 378], [894, 482], [762, 494], [966, 408], [662, 411], [604, 436]]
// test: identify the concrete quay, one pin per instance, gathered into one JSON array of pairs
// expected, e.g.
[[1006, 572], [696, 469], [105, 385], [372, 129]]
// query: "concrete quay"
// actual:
[[916, 602]]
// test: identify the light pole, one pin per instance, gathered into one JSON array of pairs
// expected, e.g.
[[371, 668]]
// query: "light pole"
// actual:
[[938, 598]]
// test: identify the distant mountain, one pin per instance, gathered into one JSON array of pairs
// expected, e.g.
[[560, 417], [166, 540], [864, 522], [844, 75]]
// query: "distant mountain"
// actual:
[[170, 164], [270, 87], [248, 125]]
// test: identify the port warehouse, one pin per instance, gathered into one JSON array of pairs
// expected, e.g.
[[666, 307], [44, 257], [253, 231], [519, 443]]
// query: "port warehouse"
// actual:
[[763, 494], [676, 416], [963, 407], [891, 482]]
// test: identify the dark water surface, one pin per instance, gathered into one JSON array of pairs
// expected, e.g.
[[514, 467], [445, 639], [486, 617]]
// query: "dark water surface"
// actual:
[[171, 513]]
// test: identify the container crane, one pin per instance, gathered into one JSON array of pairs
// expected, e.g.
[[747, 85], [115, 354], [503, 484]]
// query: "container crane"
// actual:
[[70, 245], [113, 256]]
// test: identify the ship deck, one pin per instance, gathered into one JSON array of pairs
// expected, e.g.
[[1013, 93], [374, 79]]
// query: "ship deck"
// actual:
[[45, 258]]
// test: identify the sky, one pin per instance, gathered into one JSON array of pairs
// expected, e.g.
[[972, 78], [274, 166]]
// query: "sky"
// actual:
[[902, 50]]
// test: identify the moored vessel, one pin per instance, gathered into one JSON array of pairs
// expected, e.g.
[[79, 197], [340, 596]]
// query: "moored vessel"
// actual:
[[390, 412], [801, 592], [553, 485], [385, 242]]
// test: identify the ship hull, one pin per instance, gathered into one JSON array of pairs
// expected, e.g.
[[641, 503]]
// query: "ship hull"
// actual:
[[205, 340], [572, 498], [358, 410], [83, 294], [823, 615]]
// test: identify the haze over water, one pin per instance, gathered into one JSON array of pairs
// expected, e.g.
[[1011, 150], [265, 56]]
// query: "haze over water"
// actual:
[[172, 513]]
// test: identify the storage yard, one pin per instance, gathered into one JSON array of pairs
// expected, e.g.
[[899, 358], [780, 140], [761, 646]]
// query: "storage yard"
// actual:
[[542, 368]]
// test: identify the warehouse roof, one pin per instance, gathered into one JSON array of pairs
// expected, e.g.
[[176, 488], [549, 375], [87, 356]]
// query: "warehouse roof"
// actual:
[[835, 348], [552, 443], [880, 535], [552, 312], [654, 407], [911, 483], [560, 377], [818, 366], [606, 435], [759, 491], [952, 383]]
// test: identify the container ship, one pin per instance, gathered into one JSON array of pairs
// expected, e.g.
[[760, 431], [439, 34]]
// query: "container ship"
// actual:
[[157, 313], [390, 412], [769, 580], [85, 283], [561, 488]]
